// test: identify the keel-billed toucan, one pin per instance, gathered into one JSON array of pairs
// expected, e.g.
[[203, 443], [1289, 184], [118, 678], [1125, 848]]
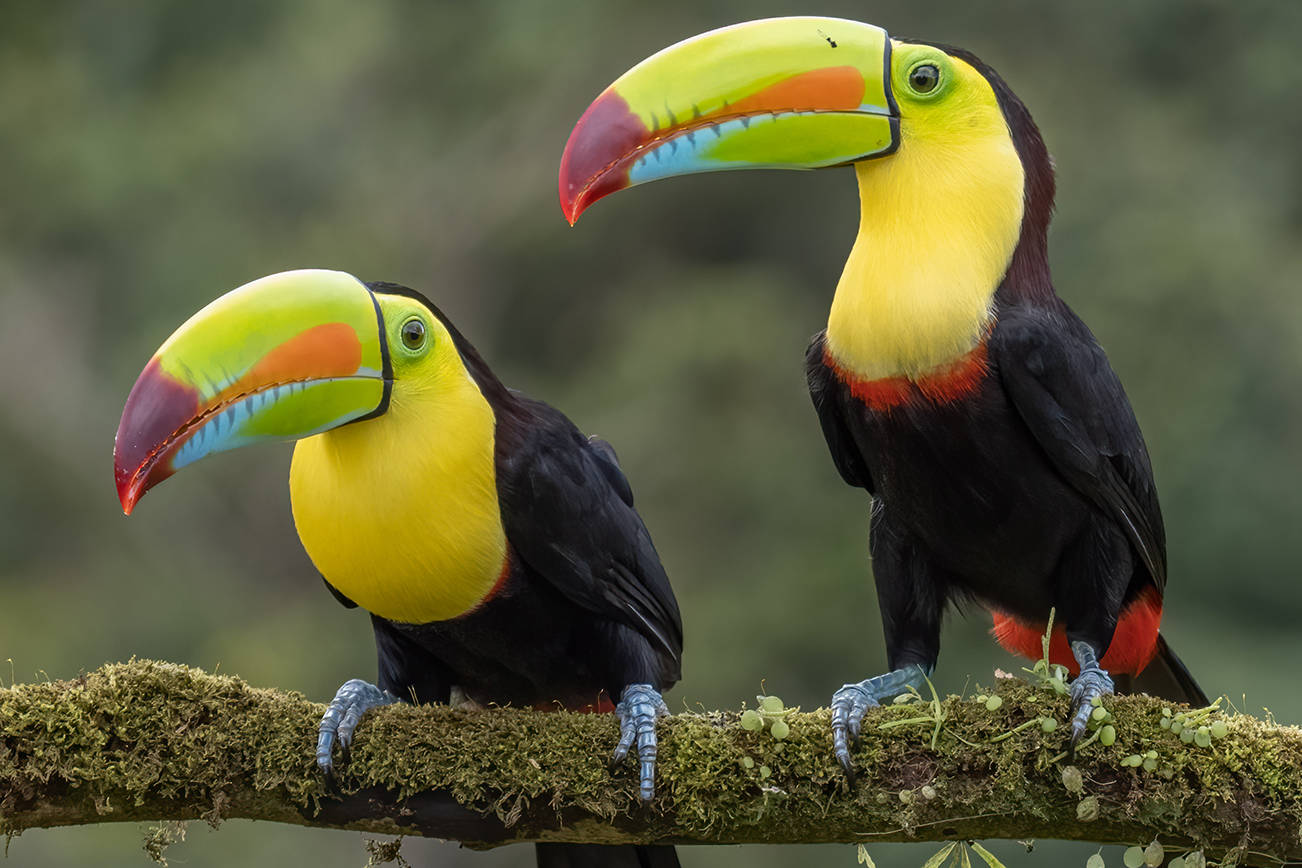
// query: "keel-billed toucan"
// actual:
[[1000, 451], [496, 547]]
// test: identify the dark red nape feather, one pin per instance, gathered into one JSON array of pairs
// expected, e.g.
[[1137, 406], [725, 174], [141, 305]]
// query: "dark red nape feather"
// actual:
[[1133, 644]]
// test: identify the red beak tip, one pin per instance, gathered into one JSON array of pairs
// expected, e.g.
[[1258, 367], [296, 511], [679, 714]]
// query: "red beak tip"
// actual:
[[570, 208], [574, 208], [129, 490]]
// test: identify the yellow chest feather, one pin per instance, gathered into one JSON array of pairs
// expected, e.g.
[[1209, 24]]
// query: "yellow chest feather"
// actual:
[[400, 513], [937, 229]]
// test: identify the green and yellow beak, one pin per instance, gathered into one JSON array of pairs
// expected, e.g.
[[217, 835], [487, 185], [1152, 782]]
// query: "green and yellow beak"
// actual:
[[792, 93], [281, 358]]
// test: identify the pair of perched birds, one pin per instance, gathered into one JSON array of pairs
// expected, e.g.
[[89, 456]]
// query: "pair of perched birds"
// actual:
[[498, 549]]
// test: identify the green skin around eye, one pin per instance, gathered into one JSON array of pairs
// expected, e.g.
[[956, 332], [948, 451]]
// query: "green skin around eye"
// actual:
[[909, 60]]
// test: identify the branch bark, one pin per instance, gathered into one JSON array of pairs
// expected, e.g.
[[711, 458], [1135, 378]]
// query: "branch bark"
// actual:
[[150, 741]]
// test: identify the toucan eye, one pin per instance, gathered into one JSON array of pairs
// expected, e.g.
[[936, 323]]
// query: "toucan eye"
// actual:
[[413, 334], [924, 78]]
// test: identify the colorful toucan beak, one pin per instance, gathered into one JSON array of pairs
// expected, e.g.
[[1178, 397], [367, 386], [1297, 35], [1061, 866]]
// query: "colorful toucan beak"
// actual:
[[787, 93], [280, 358]]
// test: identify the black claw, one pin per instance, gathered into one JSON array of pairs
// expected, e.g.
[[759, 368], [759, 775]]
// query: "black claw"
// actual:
[[1080, 724], [841, 748], [1077, 733], [847, 765]]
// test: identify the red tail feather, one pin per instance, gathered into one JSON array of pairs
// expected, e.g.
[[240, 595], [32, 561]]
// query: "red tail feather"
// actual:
[[1133, 644]]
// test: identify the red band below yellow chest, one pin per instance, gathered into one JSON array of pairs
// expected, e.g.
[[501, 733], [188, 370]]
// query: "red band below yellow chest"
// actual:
[[941, 386]]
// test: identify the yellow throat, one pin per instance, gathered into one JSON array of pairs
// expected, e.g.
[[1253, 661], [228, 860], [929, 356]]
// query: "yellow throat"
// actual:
[[400, 513], [939, 221]]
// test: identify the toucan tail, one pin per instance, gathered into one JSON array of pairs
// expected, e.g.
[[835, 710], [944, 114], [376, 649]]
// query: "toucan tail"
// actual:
[[603, 856], [1165, 677]]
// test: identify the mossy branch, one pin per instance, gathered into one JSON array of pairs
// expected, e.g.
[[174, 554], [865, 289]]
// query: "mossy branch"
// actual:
[[149, 741]]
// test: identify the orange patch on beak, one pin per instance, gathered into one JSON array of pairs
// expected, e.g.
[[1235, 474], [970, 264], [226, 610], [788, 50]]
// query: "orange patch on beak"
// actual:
[[832, 88], [328, 350]]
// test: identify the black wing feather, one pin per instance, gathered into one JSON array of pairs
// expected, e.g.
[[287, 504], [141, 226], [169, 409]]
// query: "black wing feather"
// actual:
[[568, 513], [1059, 380], [608, 461], [826, 394], [338, 595]]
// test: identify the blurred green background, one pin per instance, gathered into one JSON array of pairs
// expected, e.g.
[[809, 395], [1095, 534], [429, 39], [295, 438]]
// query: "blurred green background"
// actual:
[[154, 155]]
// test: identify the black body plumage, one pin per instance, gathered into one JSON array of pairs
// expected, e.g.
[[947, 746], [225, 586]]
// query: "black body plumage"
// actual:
[[1033, 490], [585, 608]]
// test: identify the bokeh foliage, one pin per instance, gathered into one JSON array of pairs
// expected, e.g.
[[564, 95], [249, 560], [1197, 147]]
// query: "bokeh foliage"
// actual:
[[156, 154]]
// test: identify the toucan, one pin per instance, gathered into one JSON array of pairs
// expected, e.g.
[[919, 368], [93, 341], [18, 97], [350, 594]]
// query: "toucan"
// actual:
[[1002, 457], [495, 547]]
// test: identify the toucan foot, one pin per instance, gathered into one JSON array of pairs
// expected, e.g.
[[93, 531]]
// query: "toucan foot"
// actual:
[[852, 700], [352, 700], [1093, 682], [1088, 685], [638, 709], [848, 707]]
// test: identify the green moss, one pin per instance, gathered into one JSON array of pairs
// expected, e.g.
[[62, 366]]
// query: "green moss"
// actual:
[[145, 740], [162, 836]]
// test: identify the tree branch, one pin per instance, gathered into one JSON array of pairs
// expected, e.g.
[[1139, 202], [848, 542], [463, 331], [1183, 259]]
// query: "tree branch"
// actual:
[[149, 741]]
